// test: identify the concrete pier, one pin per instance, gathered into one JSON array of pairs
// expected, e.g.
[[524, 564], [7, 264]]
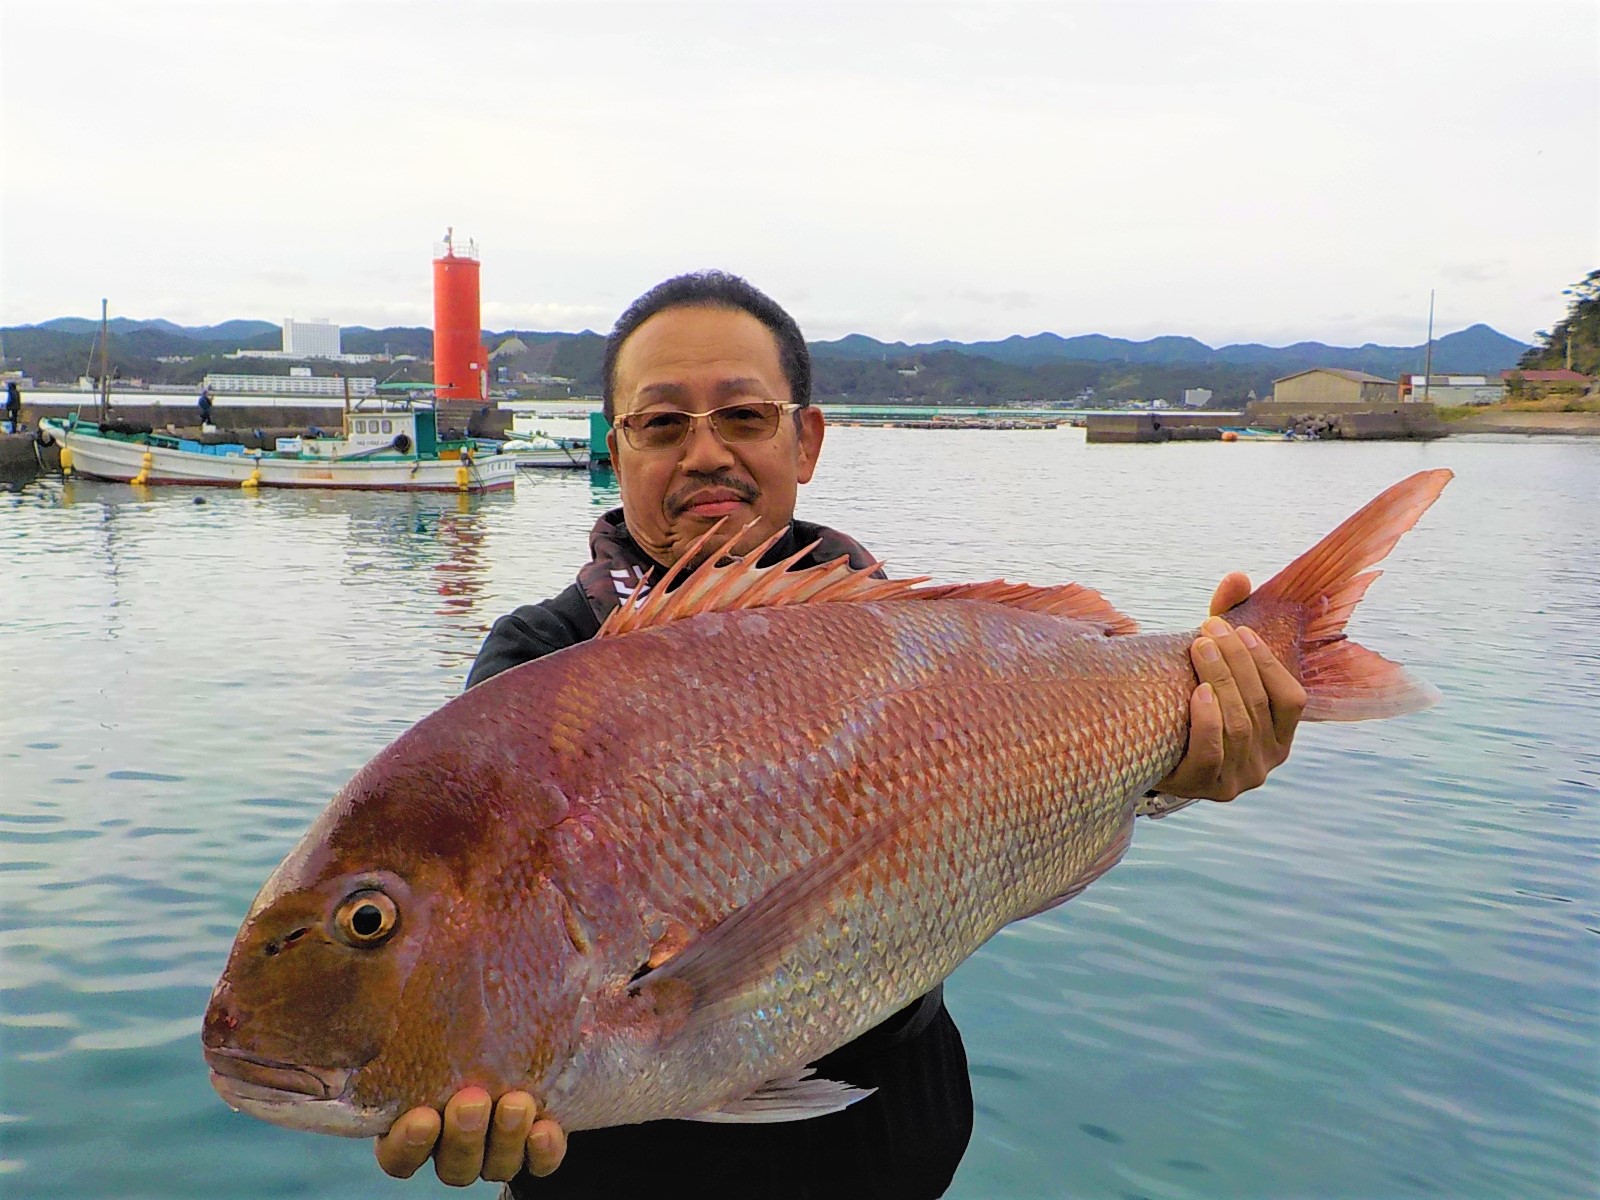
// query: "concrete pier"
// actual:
[[1388, 422], [1157, 426], [21, 455], [1392, 422]]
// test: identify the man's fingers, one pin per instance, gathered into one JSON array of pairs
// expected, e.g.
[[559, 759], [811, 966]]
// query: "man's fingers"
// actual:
[[508, 1136], [459, 1158], [408, 1143], [1285, 695], [1236, 652], [1205, 739], [1213, 668], [547, 1146]]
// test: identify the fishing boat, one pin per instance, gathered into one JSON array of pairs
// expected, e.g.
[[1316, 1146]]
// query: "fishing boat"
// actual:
[[1241, 433], [534, 448], [387, 444], [542, 450]]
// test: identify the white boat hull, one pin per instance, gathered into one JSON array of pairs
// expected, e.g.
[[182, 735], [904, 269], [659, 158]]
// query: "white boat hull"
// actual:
[[541, 459], [125, 461]]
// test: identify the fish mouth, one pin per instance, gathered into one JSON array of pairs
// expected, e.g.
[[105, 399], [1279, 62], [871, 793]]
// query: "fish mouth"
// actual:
[[313, 1099], [253, 1077]]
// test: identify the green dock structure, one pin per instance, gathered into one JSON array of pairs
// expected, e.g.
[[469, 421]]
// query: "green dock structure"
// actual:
[[599, 448]]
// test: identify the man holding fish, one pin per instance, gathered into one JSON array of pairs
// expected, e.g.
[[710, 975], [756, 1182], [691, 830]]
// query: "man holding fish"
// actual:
[[707, 383]]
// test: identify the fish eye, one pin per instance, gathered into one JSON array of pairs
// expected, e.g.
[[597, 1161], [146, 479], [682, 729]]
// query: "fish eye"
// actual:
[[366, 919]]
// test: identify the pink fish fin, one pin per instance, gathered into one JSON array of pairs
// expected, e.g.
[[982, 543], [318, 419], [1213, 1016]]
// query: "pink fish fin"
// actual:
[[1159, 804], [793, 1098], [722, 584], [1062, 600], [1108, 857], [748, 945], [1345, 681]]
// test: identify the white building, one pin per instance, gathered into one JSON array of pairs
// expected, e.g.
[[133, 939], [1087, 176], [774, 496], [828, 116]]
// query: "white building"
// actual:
[[1452, 389], [1196, 397], [291, 385], [310, 339]]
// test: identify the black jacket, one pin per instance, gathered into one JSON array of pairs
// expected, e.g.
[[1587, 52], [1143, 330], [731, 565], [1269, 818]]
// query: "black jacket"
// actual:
[[904, 1142]]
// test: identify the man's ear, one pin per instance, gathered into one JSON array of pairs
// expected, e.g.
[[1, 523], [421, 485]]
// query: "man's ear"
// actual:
[[611, 444], [811, 430]]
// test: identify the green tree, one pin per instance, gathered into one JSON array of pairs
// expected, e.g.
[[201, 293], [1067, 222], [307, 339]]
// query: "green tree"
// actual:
[[1580, 327]]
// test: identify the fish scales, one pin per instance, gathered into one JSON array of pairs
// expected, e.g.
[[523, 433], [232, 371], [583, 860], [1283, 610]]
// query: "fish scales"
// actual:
[[650, 875], [1065, 754]]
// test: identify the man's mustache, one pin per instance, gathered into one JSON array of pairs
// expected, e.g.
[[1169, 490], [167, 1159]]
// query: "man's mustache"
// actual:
[[679, 500]]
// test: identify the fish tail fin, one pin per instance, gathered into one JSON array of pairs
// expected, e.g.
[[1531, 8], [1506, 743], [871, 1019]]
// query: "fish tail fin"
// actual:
[[1345, 681]]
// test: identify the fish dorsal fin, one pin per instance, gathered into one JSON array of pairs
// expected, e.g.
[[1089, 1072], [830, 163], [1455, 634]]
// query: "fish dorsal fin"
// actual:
[[1063, 600], [722, 585]]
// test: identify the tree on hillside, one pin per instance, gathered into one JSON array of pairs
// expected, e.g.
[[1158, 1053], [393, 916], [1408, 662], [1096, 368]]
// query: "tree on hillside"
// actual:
[[1581, 325]]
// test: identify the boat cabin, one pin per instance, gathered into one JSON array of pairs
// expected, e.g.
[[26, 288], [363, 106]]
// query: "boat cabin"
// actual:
[[375, 426]]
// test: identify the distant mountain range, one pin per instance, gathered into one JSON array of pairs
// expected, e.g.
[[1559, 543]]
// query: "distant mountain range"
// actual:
[[1042, 368], [1477, 348], [234, 333]]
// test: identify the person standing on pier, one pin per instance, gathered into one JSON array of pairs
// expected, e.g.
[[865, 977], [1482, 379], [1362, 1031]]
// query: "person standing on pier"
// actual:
[[13, 406], [707, 383], [204, 405]]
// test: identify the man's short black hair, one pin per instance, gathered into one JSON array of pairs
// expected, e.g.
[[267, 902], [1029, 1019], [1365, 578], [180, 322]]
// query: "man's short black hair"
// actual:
[[712, 289]]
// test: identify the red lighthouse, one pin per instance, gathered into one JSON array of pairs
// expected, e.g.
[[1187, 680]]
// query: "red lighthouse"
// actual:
[[460, 363]]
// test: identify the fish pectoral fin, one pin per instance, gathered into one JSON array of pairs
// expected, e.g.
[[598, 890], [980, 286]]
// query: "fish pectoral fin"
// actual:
[[793, 1098], [1156, 805], [749, 944]]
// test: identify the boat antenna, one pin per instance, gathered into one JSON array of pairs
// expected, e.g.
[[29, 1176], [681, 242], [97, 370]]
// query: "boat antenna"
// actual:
[[105, 372]]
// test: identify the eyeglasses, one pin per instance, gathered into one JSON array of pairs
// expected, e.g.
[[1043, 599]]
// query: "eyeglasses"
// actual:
[[665, 428]]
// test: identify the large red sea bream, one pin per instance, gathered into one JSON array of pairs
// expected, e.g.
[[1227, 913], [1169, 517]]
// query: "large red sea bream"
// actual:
[[657, 874]]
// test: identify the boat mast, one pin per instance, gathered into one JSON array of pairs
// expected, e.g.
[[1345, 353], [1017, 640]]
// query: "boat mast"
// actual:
[[105, 376]]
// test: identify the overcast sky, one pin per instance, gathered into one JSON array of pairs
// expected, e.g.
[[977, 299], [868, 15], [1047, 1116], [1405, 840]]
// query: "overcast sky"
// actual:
[[1230, 171]]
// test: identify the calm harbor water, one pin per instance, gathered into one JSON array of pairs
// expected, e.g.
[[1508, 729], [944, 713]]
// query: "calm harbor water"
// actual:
[[1376, 976]]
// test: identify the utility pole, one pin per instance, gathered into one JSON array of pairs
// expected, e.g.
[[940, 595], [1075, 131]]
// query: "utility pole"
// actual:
[[1427, 362], [105, 371]]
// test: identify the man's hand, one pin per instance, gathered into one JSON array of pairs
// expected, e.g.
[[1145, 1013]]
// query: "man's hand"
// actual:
[[1243, 715], [482, 1140]]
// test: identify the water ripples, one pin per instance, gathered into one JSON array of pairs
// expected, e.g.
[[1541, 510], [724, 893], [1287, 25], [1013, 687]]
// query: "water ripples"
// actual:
[[1376, 976]]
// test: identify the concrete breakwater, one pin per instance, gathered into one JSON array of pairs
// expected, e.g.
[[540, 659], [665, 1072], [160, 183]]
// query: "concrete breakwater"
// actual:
[[24, 454], [1399, 422]]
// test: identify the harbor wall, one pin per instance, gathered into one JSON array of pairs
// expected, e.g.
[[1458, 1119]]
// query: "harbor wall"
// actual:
[[1385, 422], [20, 455], [1156, 426], [1398, 421]]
